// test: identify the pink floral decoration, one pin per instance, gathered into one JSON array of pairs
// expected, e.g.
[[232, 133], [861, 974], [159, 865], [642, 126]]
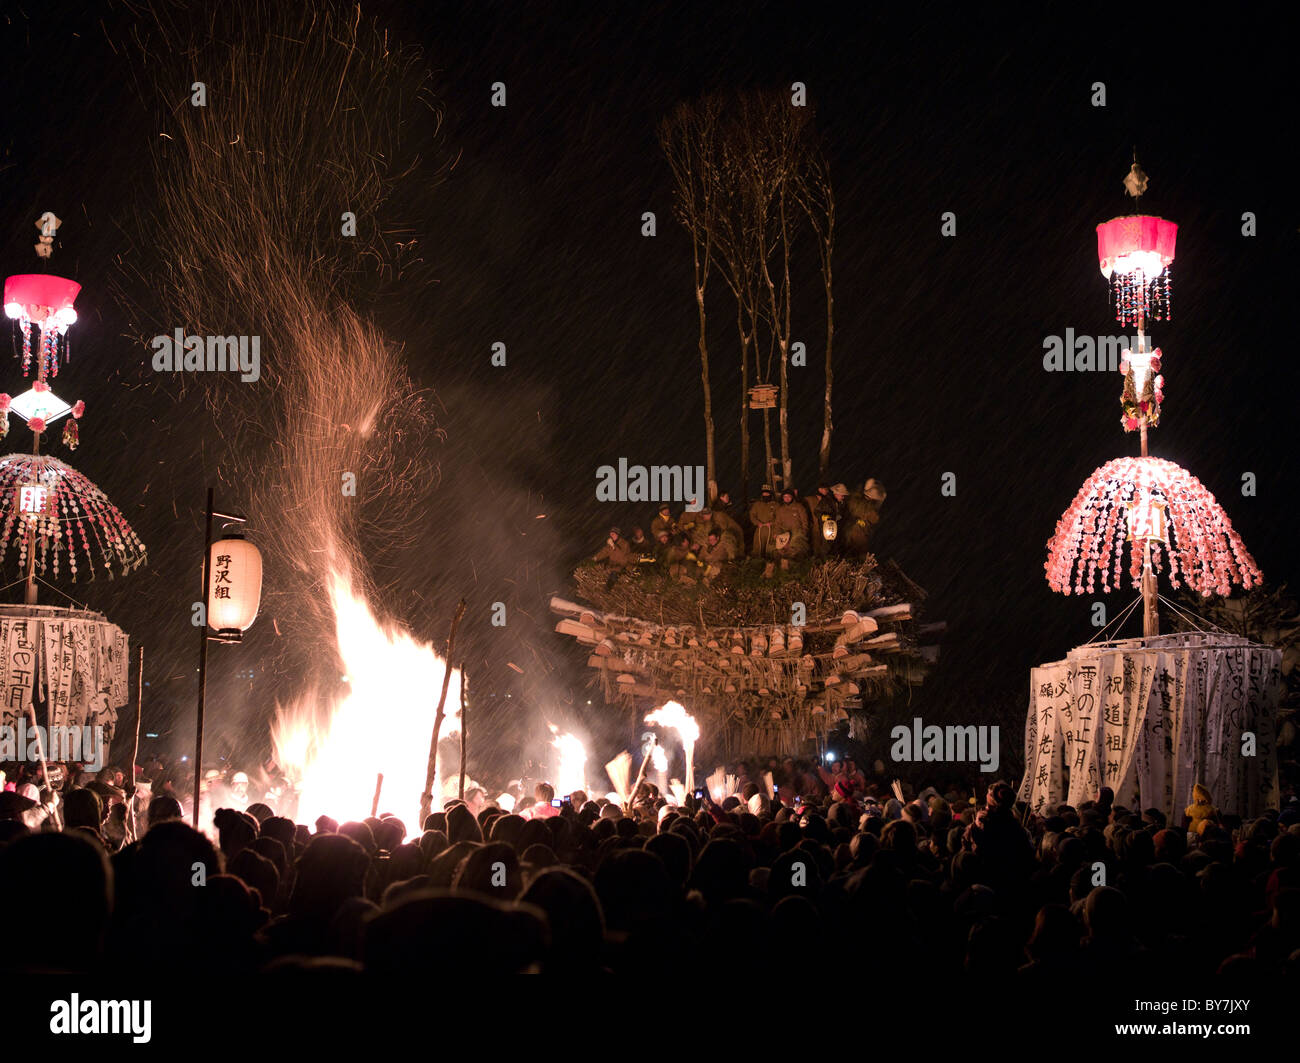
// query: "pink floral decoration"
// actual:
[[78, 409], [1090, 536], [37, 425]]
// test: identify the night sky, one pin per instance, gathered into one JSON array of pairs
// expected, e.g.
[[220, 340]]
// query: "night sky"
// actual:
[[533, 239]]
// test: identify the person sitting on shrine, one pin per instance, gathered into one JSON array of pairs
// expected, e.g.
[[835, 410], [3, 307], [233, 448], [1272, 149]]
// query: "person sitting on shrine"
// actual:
[[663, 522], [689, 523], [682, 562], [732, 533], [864, 515], [791, 515], [715, 554], [827, 515], [616, 552], [762, 515], [663, 544], [699, 530], [642, 548]]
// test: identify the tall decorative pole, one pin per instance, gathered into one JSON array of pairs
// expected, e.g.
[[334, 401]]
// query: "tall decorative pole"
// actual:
[[1135, 253], [1144, 500], [42, 304]]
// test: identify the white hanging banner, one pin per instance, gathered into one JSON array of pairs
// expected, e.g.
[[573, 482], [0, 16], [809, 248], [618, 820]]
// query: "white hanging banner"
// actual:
[[1150, 718], [81, 664]]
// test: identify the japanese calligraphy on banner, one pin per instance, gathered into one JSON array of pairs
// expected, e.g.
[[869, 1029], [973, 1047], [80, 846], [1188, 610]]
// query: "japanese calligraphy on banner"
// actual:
[[1150, 718], [81, 664], [18, 657]]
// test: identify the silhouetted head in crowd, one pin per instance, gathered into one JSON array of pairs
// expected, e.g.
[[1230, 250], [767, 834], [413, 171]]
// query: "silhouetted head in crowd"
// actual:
[[163, 808], [331, 870], [82, 808], [361, 834], [63, 874], [462, 826], [492, 870], [471, 935], [574, 915]]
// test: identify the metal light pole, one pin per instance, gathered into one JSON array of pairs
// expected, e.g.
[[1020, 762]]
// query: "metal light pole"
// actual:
[[203, 646]]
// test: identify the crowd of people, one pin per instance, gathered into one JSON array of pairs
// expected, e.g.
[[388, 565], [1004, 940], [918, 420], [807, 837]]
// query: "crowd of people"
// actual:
[[802, 861], [779, 529]]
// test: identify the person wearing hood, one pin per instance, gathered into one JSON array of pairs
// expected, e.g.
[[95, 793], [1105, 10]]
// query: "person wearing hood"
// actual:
[[762, 515], [863, 516]]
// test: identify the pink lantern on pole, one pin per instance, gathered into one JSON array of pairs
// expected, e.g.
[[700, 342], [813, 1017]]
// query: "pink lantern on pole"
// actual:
[[1147, 502], [44, 301], [1135, 253]]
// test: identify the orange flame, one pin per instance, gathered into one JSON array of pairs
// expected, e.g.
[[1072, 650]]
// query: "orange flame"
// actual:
[[384, 723]]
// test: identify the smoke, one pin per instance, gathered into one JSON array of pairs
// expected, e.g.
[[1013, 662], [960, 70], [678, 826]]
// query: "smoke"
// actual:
[[270, 220]]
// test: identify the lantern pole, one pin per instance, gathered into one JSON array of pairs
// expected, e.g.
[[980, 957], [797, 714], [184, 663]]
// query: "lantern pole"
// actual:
[[1150, 613], [29, 593], [203, 647], [1142, 346]]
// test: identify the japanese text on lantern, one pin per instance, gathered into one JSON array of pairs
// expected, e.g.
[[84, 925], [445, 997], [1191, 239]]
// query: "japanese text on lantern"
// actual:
[[221, 582]]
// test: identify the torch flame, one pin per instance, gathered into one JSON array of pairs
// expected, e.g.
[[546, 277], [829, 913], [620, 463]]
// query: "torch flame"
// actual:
[[673, 715], [571, 768]]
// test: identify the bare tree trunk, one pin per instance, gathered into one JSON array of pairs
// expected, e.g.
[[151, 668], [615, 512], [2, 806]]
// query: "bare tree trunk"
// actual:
[[824, 456], [813, 192], [744, 406], [710, 460], [767, 448], [689, 141], [787, 467]]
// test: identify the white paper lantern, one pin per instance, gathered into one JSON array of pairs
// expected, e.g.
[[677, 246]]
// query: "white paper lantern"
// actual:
[[234, 587]]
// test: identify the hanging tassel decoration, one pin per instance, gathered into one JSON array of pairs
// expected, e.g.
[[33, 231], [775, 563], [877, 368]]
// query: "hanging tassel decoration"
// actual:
[[71, 434]]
